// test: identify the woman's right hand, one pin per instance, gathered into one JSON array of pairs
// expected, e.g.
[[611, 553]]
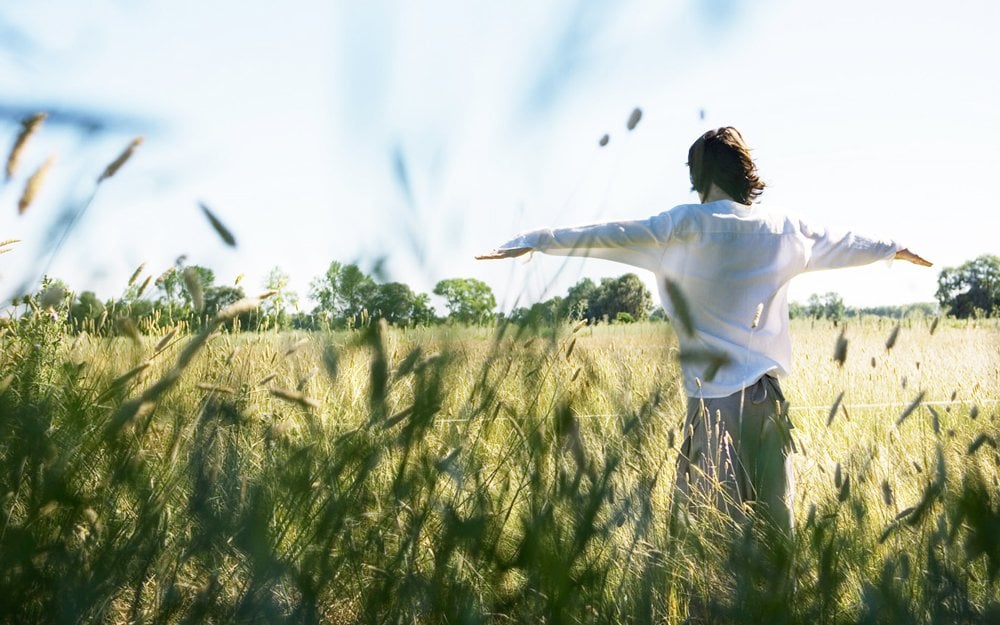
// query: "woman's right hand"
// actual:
[[907, 255], [510, 252]]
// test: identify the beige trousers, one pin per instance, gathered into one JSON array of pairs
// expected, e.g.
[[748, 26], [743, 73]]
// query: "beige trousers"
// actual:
[[735, 454]]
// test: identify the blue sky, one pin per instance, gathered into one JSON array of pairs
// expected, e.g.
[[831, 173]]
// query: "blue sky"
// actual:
[[424, 133]]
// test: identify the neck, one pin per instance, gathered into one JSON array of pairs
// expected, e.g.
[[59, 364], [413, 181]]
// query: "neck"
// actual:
[[715, 194]]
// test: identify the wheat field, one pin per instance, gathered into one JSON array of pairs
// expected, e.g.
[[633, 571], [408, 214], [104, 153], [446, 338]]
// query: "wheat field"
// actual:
[[483, 475]]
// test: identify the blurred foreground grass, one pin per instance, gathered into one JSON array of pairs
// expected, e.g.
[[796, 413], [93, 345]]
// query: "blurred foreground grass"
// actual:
[[480, 475]]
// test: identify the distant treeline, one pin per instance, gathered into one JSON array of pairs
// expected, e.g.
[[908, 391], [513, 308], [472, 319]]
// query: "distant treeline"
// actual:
[[345, 296], [831, 306]]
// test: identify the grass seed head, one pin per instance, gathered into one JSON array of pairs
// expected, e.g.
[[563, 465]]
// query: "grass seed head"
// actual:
[[5, 383], [133, 373], [116, 164], [331, 360], [887, 497], [244, 306], [29, 126], [679, 303], [633, 119], [267, 378], [33, 185], [304, 380], [218, 226], [144, 286], [136, 273], [295, 397], [5, 245], [128, 327], [194, 288], [833, 409], [979, 441], [569, 350], [163, 277], [163, 342], [909, 409], [935, 420], [215, 388], [840, 349], [296, 347], [845, 489], [889, 342]]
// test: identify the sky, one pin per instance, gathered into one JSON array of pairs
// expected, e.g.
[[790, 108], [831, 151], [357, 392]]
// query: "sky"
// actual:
[[412, 136]]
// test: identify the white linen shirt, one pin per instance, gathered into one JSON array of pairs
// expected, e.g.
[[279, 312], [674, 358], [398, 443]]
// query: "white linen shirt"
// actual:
[[727, 260]]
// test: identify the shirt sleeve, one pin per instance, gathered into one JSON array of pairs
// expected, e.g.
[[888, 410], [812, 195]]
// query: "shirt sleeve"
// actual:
[[637, 243], [830, 249]]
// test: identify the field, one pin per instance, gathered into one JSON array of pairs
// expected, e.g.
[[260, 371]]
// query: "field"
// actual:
[[473, 475]]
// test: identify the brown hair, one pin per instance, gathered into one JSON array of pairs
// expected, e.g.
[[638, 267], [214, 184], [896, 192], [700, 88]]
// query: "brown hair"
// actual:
[[721, 156]]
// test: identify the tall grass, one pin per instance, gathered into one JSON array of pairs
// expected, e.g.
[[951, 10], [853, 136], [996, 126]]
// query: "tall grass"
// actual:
[[478, 475]]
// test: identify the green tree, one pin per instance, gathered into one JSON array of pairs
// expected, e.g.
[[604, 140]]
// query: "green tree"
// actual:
[[468, 300], [394, 302], [343, 291], [827, 306], [180, 287], [972, 289], [276, 307], [197, 281], [171, 285], [182, 291], [581, 301], [797, 310], [87, 308], [546, 313], [423, 312], [625, 294], [218, 297]]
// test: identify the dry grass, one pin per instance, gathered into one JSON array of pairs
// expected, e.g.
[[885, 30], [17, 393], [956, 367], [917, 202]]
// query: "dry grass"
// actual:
[[481, 475]]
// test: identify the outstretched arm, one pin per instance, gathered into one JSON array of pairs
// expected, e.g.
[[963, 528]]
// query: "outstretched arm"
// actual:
[[638, 243], [908, 256], [831, 249]]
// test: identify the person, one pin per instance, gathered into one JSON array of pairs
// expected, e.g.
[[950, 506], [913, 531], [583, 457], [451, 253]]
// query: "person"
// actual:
[[723, 269]]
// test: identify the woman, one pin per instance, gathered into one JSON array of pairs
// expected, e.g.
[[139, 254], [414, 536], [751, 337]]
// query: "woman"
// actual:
[[723, 268]]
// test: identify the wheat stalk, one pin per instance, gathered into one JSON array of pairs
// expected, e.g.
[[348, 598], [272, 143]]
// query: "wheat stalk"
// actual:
[[144, 286], [633, 119], [163, 342], [28, 127], [295, 398], [116, 164], [193, 285], [33, 185], [5, 245], [219, 227], [135, 274]]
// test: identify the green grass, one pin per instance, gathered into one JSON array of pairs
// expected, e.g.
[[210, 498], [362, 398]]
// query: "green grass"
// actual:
[[480, 475]]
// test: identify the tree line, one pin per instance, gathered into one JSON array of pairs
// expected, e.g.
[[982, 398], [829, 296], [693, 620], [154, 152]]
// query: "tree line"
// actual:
[[971, 290], [345, 296]]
